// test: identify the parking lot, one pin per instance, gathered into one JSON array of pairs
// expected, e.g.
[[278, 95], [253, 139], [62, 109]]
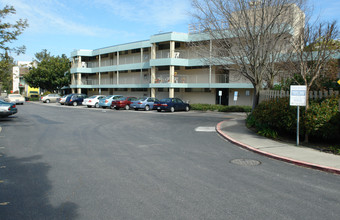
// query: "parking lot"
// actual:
[[74, 162]]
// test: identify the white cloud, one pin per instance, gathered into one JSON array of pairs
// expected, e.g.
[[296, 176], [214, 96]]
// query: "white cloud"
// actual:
[[52, 17]]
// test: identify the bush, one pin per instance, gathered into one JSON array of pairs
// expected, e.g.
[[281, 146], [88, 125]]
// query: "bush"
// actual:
[[276, 114], [220, 108], [322, 120]]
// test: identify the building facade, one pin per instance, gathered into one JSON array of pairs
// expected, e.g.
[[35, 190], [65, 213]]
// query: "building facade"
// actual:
[[163, 66]]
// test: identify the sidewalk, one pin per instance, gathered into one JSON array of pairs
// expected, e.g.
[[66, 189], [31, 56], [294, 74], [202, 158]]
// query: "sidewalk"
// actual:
[[235, 131]]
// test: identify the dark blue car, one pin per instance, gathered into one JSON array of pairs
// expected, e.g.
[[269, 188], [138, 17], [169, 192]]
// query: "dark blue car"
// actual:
[[171, 104], [75, 99]]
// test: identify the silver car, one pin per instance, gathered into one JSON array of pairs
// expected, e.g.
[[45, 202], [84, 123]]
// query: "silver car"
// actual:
[[15, 98], [50, 98]]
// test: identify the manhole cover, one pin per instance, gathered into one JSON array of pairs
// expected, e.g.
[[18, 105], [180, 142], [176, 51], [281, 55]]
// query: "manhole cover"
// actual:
[[245, 162]]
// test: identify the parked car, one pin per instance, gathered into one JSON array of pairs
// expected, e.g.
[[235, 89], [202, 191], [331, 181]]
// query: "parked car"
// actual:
[[171, 104], [93, 101], [144, 103], [50, 98], [123, 102], [15, 98], [105, 103], [75, 99], [62, 100], [7, 109]]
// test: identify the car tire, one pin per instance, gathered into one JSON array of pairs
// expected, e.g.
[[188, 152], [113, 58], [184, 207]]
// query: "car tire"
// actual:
[[127, 107], [147, 108], [187, 108], [159, 110], [111, 107], [75, 103], [136, 109], [96, 105], [89, 106], [47, 101], [172, 109]]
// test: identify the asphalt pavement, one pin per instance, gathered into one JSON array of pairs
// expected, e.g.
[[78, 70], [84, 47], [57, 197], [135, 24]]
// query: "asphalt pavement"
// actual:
[[236, 132]]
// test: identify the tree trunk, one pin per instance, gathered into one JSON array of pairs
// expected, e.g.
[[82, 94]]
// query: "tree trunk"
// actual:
[[256, 98]]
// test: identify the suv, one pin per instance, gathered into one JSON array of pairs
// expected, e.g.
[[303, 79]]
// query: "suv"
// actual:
[[50, 98], [75, 99]]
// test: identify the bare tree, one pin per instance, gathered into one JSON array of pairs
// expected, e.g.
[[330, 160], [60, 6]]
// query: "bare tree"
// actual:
[[313, 51], [247, 37]]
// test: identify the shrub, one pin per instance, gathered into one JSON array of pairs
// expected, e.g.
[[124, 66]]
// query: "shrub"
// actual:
[[220, 108], [321, 120]]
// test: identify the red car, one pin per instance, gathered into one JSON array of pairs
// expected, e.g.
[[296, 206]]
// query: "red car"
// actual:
[[123, 102]]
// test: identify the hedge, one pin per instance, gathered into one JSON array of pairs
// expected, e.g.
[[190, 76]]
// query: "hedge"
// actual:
[[220, 108], [321, 120]]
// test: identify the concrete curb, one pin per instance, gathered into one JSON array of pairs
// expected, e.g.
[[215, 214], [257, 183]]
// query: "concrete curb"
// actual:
[[274, 156]]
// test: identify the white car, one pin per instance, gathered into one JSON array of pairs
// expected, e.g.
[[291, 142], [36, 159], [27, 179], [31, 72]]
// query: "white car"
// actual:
[[93, 101], [15, 98], [50, 98]]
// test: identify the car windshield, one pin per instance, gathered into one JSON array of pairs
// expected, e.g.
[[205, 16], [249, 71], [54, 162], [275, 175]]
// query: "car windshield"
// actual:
[[109, 96], [143, 99], [122, 98], [93, 97]]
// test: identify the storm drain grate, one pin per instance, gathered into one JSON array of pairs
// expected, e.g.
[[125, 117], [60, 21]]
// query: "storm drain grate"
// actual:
[[245, 162]]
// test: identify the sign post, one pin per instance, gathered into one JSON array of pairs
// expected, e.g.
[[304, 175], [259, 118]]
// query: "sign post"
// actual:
[[298, 98], [235, 96], [220, 95]]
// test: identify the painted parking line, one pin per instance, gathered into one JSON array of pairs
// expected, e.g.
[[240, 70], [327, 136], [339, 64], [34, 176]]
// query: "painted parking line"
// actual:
[[205, 129]]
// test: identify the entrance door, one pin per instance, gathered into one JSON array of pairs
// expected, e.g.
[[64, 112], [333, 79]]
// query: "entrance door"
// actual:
[[223, 100]]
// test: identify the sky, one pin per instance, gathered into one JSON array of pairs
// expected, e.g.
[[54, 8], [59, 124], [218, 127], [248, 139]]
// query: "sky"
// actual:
[[62, 26]]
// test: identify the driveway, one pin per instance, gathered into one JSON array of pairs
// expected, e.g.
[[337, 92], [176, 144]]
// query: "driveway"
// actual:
[[77, 163]]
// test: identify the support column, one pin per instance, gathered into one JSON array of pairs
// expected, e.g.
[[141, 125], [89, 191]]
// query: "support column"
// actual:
[[79, 83], [117, 65], [79, 61], [153, 70], [141, 66], [172, 70]]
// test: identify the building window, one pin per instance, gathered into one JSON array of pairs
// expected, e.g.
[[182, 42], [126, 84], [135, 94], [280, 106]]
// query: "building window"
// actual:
[[196, 67], [139, 89], [121, 89], [135, 51]]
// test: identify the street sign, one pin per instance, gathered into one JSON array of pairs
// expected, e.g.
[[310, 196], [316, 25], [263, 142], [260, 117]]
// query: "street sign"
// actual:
[[339, 81], [298, 95], [219, 93], [298, 98]]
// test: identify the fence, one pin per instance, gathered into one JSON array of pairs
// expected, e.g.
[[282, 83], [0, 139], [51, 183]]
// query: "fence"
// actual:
[[272, 94]]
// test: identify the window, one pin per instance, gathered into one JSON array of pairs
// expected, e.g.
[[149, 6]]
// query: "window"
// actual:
[[135, 51]]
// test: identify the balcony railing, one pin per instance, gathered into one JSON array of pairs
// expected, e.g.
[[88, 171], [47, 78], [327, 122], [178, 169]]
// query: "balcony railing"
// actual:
[[160, 78]]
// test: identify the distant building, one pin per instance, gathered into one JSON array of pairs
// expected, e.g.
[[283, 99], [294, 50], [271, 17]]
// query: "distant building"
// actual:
[[19, 85]]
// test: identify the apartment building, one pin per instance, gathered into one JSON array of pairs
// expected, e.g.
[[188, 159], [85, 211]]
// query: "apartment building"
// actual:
[[163, 66]]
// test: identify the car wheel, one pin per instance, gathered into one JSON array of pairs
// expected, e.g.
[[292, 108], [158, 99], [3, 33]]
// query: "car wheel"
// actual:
[[127, 107], [111, 107], [96, 105], [75, 103], [136, 109], [147, 108], [172, 109], [47, 101], [187, 108], [89, 106], [159, 110]]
